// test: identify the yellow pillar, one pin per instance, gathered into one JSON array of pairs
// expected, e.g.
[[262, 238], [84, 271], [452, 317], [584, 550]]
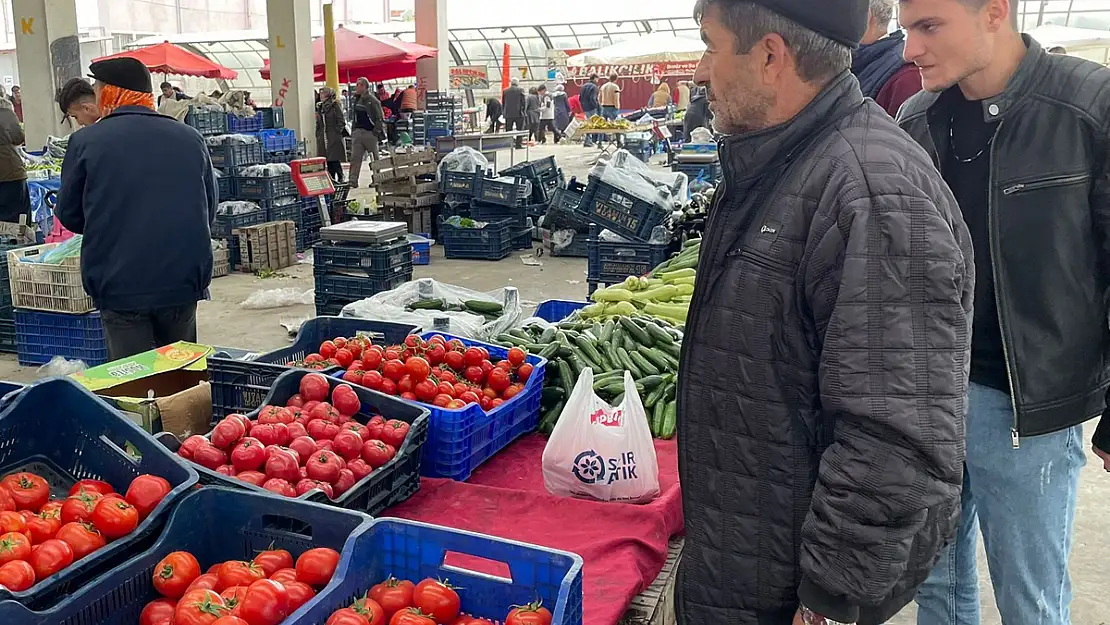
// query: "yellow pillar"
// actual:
[[331, 64]]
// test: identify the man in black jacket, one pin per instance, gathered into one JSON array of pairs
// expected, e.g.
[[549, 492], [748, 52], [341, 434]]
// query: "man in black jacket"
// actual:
[[587, 97], [367, 130], [140, 187], [1022, 139], [823, 380]]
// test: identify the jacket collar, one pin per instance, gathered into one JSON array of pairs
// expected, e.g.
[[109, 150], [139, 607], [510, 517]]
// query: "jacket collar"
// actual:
[[132, 109], [749, 155], [1022, 83]]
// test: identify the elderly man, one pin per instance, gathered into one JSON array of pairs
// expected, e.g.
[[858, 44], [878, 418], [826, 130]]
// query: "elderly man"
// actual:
[[821, 451], [140, 187], [367, 129], [883, 73]]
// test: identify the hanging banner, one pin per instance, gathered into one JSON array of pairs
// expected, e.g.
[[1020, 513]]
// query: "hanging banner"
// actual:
[[469, 77], [654, 71], [505, 68]]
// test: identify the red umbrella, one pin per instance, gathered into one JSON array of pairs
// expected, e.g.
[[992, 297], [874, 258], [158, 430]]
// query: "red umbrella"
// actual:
[[166, 58], [367, 56]]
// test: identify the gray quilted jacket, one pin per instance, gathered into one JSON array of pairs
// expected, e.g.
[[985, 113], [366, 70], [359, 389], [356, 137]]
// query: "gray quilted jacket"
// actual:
[[823, 381]]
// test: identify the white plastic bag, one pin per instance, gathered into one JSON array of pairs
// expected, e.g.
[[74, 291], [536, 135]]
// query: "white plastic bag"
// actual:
[[600, 451]]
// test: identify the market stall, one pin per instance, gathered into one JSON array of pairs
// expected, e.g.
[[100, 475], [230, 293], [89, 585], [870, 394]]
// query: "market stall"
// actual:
[[167, 58], [371, 57]]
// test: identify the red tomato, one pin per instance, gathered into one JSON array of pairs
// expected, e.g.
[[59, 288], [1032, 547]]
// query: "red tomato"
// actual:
[[524, 372], [346, 616], [233, 596], [14, 546], [28, 491], [12, 522], [376, 453], [393, 370], [115, 518], [437, 339], [354, 376], [372, 360], [91, 486], [327, 349], [418, 368], [395, 432], [532, 614], [455, 360], [252, 477], [437, 599], [456, 404], [280, 486], [208, 581], [299, 594], [199, 607], [517, 356], [499, 380], [42, 527], [469, 397], [442, 400], [411, 616], [230, 430], [371, 611], [425, 391], [286, 575], [189, 445], [486, 403], [344, 356], [6, 503], [324, 466], [360, 468], [435, 354], [322, 430], [316, 566], [266, 603], [474, 374], [393, 595], [80, 507], [348, 444], [314, 387], [389, 387], [50, 557], [512, 391], [147, 491], [340, 341], [296, 401], [507, 366], [473, 357], [285, 464], [174, 573], [229, 620], [447, 375], [158, 612], [238, 573], [83, 538], [211, 457], [248, 455], [273, 560], [345, 482]]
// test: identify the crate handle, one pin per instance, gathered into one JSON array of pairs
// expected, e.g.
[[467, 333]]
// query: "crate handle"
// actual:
[[287, 525], [625, 251], [128, 450], [477, 566]]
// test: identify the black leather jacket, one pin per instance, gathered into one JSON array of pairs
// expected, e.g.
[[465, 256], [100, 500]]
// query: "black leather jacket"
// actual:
[[1049, 206]]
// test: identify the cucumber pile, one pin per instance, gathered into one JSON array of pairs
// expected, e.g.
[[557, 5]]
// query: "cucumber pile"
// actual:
[[664, 294], [648, 348]]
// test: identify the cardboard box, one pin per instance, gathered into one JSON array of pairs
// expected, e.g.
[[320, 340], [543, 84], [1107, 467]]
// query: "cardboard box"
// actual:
[[165, 389]]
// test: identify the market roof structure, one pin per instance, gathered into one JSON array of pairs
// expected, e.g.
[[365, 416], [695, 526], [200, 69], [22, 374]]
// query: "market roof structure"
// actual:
[[167, 58], [366, 56], [657, 47]]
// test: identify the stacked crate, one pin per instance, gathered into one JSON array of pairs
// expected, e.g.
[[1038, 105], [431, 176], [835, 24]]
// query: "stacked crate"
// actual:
[[53, 315], [547, 181], [407, 188], [7, 310], [269, 246], [347, 272], [441, 116], [505, 198]]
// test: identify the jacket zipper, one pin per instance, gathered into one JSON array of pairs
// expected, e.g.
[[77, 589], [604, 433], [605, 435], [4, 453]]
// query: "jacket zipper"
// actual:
[[992, 243], [1058, 181], [762, 260]]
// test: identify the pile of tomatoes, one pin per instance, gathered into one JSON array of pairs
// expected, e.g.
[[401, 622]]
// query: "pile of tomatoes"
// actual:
[[310, 443], [261, 592], [40, 536], [445, 373], [431, 602]]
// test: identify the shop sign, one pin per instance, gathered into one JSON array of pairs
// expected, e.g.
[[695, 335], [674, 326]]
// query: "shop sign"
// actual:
[[470, 77], [635, 70]]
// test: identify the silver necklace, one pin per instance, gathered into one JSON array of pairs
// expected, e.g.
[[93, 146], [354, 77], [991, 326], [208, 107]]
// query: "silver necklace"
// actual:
[[952, 145]]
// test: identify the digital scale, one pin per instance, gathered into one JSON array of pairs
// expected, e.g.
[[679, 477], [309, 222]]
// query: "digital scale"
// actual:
[[313, 180]]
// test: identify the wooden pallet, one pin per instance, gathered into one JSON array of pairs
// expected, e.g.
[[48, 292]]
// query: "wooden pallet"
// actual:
[[272, 245], [402, 159], [408, 187], [655, 606], [417, 219], [404, 173], [409, 201]]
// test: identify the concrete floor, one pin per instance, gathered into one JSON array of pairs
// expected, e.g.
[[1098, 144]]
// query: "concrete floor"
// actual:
[[222, 322]]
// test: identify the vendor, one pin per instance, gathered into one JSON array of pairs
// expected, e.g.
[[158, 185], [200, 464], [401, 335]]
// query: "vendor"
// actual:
[[169, 92], [331, 125], [140, 187], [77, 101], [14, 198], [368, 128]]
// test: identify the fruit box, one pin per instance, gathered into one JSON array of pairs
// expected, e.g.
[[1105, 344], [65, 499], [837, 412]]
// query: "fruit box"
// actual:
[[239, 525], [162, 389], [64, 433], [389, 484]]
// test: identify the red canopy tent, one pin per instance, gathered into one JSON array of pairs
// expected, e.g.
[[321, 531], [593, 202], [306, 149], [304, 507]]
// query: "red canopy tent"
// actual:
[[366, 56], [166, 58]]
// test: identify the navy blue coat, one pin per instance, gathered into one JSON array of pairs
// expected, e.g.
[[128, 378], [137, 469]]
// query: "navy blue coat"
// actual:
[[140, 187]]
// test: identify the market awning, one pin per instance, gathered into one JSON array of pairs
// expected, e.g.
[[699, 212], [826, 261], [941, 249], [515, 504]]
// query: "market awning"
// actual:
[[657, 47], [366, 56], [166, 58]]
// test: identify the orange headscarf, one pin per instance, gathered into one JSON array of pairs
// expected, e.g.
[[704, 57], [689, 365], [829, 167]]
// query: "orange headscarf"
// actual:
[[113, 97]]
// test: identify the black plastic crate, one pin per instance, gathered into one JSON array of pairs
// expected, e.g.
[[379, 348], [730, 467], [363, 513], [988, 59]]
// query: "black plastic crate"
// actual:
[[329, 307], [225, 224], [495, 191], [283, 212], [493, 242], [522, 239], [207, 123], [235, 154], [579, 247], [610, 263], [620, 211], [272, 116], [309, 233], [459, 184], [376, 260], [223, 186], [354, 288], [7, 335], [480, 211], [538, 169], [570, 196], [268, 188]]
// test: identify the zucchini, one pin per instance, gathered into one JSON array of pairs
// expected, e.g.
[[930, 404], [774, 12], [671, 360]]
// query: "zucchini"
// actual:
[[644, 364], [622, 355], [547, 335], [484, 308], [658, 334], [586, 346], [657, 358], [565, 377], [670, 419], [635, 331]]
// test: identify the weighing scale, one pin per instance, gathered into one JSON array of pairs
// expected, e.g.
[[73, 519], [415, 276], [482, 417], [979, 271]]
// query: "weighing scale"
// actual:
[[312, 179], [367, 232]]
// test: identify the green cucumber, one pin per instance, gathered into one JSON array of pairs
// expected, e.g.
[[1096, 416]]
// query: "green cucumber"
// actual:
[[487, 308], [585, 360], [659, 334], [565, 377], [644, 364], [635, 331], [658, 358], [607, 331], [547, 335], [654, 396], [651, 382], [512, 340], [549, 350], [670, 420], [552, 394], [588, 347], [622, 355], [657, 414], [617, 400], [551, 417], [575, 364], [674, 350], [521, 334], [427, 304]]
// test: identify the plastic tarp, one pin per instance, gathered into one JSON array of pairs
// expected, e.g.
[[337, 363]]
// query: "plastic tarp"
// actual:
[[166, 58], [372, 57]]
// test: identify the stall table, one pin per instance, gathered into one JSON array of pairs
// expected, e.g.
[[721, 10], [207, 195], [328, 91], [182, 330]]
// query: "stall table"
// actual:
[[655, 606], [486, 143]]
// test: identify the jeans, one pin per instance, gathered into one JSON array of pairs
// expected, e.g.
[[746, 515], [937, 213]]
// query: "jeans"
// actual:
[[129, 333], [591, 138], [1024, 501]]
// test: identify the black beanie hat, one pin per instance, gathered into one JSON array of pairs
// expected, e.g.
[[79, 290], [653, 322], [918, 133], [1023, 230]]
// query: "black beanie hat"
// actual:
[[843, 21], [125, 73]]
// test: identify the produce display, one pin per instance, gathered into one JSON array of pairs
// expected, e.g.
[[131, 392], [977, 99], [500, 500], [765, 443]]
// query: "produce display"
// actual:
[[42, 535], [430, 602], [665, 294], [597, 122], [310, 443], [263, 591]]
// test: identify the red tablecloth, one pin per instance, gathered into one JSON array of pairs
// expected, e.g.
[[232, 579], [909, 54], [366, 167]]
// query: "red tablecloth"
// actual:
[[623, 546]]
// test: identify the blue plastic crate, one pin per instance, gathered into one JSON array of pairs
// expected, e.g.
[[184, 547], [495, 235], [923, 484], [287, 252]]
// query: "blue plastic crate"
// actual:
[[619, 211], [353, 288], [377, 261], [481, 211], [225, 225], [244, 124], [249, 523], [230, 155], [327, 307], [569, 197], [272, 116], [492, 242], [83, 438], [612, 262], [259, 188], [241, 386], [496, 191], [459, 183], [206, 122], [421, 249], [41, 336], [461, 440], [388, 485], [278, 140], [512, 573], [555, 310]]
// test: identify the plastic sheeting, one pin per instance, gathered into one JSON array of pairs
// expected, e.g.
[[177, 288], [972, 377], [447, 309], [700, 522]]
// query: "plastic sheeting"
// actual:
[[463, 159], [631, 175]]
